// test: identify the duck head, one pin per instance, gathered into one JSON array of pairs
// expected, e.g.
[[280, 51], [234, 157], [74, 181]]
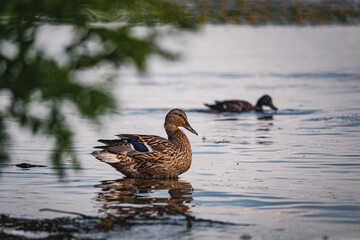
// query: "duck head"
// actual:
[[177, 118], [266, 101]]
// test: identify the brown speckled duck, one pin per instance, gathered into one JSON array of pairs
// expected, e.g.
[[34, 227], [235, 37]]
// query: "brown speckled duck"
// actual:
[[241, 106], [150, 156]]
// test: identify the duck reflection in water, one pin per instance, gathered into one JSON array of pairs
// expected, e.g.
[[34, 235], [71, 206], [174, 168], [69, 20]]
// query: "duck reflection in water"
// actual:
[[135, 197], [264, 132]]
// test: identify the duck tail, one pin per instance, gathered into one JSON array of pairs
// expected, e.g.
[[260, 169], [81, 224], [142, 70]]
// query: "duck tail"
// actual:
[[215, 107], [211, 106], [105, 157]]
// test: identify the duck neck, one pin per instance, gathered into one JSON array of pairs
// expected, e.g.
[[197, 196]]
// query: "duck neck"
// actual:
[[258, 109], [179, 139], [176, 136], [258, 106]]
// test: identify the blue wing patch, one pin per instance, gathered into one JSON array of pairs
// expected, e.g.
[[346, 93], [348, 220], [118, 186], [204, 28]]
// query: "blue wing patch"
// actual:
[[138, 146]]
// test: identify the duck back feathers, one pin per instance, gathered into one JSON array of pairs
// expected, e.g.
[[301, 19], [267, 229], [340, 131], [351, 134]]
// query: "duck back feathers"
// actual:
[[230, 106]]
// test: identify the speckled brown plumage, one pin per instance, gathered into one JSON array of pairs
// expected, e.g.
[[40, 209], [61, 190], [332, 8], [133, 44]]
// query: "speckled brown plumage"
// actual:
[[150, 156], [241, 106]]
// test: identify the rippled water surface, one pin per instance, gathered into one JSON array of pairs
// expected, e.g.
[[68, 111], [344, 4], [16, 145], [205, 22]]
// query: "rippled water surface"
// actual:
[[293, 174]]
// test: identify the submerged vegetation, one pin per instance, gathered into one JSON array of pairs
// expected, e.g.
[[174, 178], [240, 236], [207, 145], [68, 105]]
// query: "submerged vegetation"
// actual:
[[81, 227], [123, 206]]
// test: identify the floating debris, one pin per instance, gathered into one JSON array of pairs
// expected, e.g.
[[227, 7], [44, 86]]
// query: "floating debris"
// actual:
[[246, 236], [266, 118], [28, 165]]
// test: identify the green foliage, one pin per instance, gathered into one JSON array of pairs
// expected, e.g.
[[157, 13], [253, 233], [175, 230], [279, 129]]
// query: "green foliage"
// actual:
[[31, 77]]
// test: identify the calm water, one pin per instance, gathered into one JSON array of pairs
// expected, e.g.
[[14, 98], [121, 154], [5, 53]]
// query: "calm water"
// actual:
[[294, 174]]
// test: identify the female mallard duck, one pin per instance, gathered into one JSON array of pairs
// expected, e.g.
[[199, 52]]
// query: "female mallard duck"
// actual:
[[241, 106], [149, 156]]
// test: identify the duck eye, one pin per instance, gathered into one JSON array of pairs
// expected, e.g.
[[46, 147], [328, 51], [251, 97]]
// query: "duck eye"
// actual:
[[181, 116]]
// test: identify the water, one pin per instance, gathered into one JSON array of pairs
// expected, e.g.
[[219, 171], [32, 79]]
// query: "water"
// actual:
[[294, 174]]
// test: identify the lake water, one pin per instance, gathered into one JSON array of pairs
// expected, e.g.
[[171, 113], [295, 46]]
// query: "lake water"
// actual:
[[293, 174]]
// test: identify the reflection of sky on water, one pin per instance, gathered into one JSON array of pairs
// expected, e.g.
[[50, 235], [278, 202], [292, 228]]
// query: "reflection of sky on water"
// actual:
[[295, 174]]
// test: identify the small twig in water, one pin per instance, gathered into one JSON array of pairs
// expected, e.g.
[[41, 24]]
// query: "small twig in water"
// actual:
[[66, 212], [28, 165], [190, 218]]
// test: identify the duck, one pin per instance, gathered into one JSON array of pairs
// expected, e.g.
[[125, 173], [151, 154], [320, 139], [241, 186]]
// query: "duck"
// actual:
[[239, 106], [151, 156]]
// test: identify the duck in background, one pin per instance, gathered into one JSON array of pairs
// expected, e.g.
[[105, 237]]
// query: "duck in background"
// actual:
[[239, 106]]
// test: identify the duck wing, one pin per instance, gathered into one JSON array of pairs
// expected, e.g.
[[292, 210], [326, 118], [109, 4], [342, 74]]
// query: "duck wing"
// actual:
[[147, 143], [231, 106], [236, 106], [138, 155], [139, 147]]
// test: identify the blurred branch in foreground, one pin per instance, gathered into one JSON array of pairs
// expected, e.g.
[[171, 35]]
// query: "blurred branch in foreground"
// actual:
[[32, 78]]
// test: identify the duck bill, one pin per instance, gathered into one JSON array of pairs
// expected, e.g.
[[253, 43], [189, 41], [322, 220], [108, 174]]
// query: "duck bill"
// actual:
[[188, 127], [272, 106]]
